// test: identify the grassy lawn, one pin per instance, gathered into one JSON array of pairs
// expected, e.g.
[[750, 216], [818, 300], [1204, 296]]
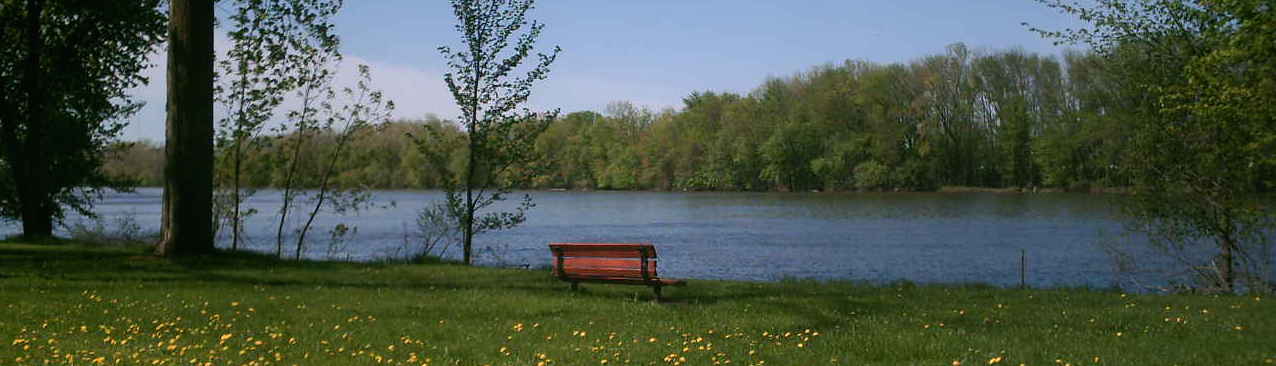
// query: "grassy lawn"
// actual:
[[78, 305]]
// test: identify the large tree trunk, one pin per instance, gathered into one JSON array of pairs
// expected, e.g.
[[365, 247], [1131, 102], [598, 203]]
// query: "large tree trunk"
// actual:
[[187, 226], [33, 173]]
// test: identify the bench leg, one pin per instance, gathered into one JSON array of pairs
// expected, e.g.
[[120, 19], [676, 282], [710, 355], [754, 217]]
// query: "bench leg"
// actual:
[[657, 289], [575, 285]]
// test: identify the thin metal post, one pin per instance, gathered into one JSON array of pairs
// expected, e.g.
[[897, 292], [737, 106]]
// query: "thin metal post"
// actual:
[[1023, 268]]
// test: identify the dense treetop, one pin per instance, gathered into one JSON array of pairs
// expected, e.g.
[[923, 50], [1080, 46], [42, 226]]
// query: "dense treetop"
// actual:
[[1003, 118]]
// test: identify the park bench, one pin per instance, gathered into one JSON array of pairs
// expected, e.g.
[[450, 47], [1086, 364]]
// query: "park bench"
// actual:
[[630, 264]]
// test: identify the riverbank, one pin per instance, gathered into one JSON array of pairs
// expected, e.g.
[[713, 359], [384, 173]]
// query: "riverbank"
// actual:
[[942, 189], [71, 304], [880, 238]]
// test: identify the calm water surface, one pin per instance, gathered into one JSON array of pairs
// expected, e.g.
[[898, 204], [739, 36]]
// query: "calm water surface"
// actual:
[[878, 237]]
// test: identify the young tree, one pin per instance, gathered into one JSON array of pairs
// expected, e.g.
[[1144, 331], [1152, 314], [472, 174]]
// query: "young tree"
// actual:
[[187, 226], [313, 51], [257, 76], [367, 108], [1199, 77], [496, 39], [64, 71]]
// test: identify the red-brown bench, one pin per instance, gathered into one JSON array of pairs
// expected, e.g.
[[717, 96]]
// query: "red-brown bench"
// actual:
[[630, 264]]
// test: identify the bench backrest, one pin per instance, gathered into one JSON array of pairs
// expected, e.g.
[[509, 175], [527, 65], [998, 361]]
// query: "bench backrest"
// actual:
[[605, 260]]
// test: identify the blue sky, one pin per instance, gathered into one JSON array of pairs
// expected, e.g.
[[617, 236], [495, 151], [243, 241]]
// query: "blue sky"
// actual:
[[654, 52]]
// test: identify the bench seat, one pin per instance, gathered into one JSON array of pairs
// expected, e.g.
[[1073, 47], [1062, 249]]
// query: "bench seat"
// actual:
[[619, 263]]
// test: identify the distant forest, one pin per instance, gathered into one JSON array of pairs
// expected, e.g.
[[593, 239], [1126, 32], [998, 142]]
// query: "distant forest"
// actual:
[[998, 119]]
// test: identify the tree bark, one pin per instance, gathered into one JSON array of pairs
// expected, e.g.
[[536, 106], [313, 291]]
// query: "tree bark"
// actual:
[[33, 171], [468, 221], [187, 227], [1227, 278]]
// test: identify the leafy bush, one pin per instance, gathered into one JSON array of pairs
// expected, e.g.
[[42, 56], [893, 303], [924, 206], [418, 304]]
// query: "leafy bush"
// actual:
[[872, 175]]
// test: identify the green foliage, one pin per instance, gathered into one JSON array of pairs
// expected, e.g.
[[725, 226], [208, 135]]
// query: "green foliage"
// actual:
[[364, 109], [255, 78], [64, 71], [993, 119], [1191, 75], [141, 162], [871, 175], [500, 137], [282, 49]]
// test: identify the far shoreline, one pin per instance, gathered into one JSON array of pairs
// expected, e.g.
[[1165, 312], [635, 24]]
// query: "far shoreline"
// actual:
[[943, 189]]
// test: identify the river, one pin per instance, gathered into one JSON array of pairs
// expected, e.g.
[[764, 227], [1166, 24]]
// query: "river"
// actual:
[[870, 237]]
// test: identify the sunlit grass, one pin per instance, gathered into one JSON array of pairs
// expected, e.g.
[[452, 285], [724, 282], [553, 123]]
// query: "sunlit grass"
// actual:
[[64, 305]]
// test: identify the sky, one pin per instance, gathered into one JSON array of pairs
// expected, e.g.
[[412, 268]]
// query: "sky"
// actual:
[[655, 52]]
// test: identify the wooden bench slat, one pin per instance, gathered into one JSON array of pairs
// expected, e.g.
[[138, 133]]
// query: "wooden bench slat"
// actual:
[[613, 267], [585, 263], [602, 245], [604, 253], [605, 250], [625, 273], [631, 281]]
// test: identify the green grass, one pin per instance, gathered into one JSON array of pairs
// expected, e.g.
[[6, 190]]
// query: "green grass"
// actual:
[[67, 304]]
